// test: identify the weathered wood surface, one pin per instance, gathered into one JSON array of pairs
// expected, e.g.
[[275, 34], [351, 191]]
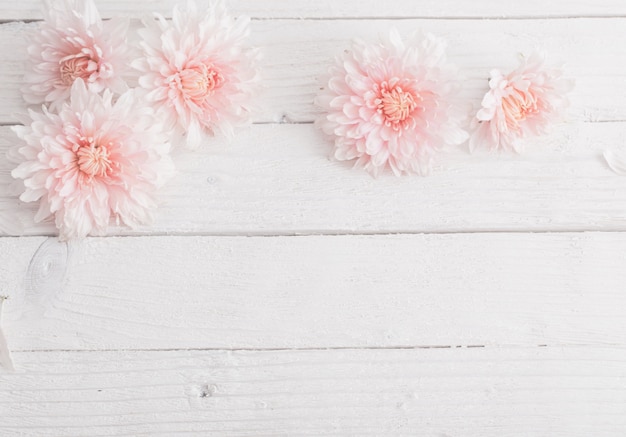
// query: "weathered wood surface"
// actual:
[[318, 291], [352, 9], [486, 392]]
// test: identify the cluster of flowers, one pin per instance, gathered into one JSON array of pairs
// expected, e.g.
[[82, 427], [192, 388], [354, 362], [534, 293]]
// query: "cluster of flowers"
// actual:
[[97, 148], [394, 104]]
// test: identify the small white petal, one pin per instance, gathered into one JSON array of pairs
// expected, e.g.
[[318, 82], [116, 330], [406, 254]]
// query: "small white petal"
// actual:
[[616, 160], [5, 355]]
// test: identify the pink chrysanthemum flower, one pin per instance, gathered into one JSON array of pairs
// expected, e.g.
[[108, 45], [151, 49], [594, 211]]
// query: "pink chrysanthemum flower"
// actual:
[[197, 71], [73, 42], [522, 104], [393, 104], [94, 161]]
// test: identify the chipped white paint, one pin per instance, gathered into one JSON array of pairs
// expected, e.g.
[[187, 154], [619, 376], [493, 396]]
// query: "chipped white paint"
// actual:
[[470, 334]]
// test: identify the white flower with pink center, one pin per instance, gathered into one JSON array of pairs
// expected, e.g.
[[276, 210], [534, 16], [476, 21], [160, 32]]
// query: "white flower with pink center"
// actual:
[[393, 104], [95, 161], [71, 43], [197, 71], [520, 105]]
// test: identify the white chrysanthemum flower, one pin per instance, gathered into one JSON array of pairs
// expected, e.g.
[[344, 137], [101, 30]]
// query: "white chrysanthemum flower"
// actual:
[[393, 104], [73, 42], [197, 71], [94, 161], [520, 105]]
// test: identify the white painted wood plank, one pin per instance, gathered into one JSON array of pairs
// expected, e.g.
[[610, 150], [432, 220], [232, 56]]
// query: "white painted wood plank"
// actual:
[[297, 55], [277, 179], [318, 291], [499, 392], [31, 9]]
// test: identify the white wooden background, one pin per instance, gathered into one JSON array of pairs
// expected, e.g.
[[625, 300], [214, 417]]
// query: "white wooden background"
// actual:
[[281, 293]]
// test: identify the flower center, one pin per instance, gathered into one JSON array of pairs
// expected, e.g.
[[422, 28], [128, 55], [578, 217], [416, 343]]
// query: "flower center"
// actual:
[[72, 68], [517, 106], [199, 82], [93, 160], [395, 104]]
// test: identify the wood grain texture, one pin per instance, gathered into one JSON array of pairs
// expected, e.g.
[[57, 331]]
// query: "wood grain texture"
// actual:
[[302, 9], [499, 392], [318, 291], [297, 55], [277, 179]]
